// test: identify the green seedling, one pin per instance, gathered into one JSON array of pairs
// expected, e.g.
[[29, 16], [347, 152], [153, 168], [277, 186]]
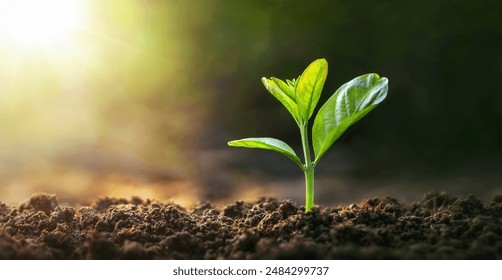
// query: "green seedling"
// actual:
[[346, 106]]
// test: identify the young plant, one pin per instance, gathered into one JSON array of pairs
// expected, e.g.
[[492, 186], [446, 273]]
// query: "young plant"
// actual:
[[346, 106]]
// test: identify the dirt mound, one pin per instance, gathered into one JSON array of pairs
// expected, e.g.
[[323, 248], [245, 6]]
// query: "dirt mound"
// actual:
[[438, 227]]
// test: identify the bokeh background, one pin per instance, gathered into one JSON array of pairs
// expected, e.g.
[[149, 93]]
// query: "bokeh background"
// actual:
[[142, 96]]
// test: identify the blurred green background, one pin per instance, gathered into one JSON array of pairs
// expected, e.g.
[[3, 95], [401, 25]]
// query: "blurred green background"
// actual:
[[143, 96]]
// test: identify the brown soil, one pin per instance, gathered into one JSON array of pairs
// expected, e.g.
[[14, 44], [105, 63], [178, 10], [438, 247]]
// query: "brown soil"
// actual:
[[438, 227]]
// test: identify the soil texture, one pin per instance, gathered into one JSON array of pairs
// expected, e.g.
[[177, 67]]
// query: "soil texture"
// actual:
[[438, 227]]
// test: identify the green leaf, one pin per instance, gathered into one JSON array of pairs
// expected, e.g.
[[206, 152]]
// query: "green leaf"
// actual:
[[293, 83], [288, 90], [346, 106], [284, 93], [309, 87], [268, 144]]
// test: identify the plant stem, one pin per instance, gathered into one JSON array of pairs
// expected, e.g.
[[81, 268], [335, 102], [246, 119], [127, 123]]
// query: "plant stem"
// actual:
[[308, 169], [309, 189]]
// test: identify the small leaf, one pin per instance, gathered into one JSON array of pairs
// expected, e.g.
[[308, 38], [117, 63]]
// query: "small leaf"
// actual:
[[287, 89], [268, 144], [309, 87], [346, 106], [284, 93], [293, 83]]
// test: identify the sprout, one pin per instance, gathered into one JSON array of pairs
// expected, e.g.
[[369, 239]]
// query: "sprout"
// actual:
[[346, 106]]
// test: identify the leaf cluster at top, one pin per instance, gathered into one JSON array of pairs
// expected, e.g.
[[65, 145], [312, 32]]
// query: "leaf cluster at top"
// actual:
[[346, 106]]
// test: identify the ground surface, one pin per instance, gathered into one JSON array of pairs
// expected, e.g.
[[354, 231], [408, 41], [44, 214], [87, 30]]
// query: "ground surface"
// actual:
[[438, 227]]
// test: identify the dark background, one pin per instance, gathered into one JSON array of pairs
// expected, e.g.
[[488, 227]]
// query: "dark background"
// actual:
[[443, 60], [442, 117]]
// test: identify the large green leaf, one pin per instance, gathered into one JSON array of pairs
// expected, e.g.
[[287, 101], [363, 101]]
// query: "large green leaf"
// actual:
[[349, 103], [267, 144], [284, 93], [309, 87]]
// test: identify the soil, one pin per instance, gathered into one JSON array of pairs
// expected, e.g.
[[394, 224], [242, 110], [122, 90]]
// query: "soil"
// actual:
[[438, 227]]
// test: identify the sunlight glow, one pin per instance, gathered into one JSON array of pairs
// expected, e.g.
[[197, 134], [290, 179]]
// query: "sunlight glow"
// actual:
[[36, 23], [77, 82]]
